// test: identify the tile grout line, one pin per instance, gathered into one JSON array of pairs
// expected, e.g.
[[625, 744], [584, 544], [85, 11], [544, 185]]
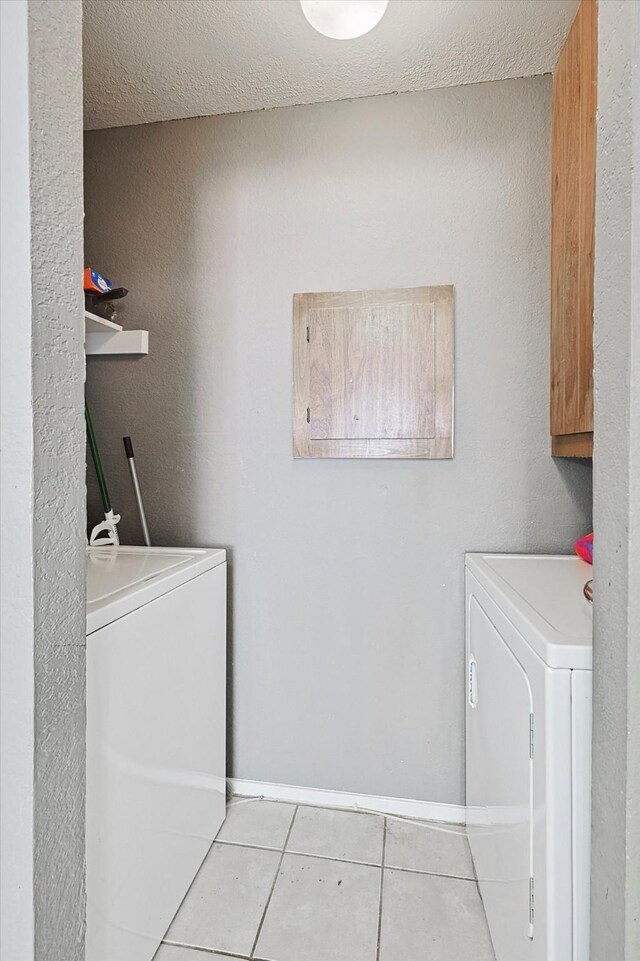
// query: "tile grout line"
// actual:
[[208, 951], [428, 874], [193, 881], [324, 857], [247, 844], [301, 854], [266, 907], [366, 864], [384, 846]]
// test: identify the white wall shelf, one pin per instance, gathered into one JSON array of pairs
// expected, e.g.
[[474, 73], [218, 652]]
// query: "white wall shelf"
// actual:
[[104, 338]]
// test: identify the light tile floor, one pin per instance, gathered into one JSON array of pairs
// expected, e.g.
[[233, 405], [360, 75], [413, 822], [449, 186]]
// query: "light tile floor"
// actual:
[[285, 882]]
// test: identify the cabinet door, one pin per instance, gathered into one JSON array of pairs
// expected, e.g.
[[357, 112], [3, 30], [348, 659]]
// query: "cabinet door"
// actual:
[[373, 373], [572, 237]]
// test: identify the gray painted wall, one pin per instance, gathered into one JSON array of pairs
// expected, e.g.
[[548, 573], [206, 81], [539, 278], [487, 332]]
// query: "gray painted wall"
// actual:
[[346, 642], [43, 496], [615, 888]]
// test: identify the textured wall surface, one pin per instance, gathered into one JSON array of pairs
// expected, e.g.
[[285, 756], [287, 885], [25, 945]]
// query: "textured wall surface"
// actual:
[[55, 87], [148, 61], [347, 629], [16, 476], [615, 888]]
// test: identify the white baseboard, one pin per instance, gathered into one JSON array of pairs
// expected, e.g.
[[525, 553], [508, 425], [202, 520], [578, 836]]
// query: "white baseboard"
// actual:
[[404, 807]]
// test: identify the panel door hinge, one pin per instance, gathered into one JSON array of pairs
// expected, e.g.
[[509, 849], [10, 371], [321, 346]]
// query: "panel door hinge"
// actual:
[[531, 735], [308, 335], [531, 907], [308, 415]]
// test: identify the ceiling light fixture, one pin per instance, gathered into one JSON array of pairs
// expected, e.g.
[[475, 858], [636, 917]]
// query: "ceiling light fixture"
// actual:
[[343, 19]]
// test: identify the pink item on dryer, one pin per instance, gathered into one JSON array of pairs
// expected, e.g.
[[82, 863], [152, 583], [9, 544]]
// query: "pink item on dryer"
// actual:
[[584, 548]]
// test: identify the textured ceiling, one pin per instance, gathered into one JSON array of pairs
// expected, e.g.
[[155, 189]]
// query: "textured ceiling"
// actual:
[[149, 60]]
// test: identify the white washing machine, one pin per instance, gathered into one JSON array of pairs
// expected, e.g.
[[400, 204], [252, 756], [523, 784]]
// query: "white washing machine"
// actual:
[[156, 682], [528, 754]]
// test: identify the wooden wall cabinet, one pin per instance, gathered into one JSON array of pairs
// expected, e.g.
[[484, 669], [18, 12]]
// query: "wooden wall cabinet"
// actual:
[[572, 238], [373, 373]]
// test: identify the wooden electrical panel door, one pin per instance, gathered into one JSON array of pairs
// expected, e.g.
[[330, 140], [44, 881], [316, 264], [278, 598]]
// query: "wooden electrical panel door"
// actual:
[[572, 238], [373, 373]]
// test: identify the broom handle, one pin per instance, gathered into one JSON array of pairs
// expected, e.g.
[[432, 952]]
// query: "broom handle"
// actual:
[[97, 463], [128, 449]]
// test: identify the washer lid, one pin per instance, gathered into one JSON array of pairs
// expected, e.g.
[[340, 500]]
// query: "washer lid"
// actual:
[[122, 579], [543, 597]]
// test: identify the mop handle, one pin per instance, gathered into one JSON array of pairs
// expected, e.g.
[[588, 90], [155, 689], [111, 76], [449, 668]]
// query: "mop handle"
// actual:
[[128, 449], [95, 454]]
